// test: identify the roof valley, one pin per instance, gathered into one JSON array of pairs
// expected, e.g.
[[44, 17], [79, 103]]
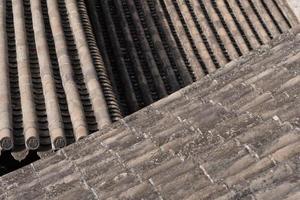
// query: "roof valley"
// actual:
[[55, 123], [67, 74], [91, 80], [25, 83]]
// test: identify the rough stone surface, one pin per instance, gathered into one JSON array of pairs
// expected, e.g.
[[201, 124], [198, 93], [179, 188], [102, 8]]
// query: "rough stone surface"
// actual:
[[295, 5]]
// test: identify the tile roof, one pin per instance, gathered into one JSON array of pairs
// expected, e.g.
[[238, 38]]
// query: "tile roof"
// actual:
[[56, 89], [168, 42], [51, 92], [232, 135]]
